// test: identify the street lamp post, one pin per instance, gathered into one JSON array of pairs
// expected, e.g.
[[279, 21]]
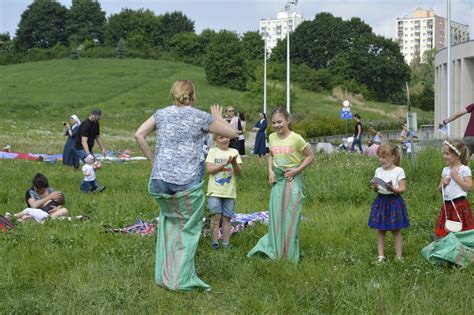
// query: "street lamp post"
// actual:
[[288, 11], [448, 66], [265, 76]]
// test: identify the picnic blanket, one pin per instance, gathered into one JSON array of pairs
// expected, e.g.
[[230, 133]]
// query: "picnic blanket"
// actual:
[[112, 156], [239, 222], [179, 231], [6, 224], [456, 248], [286, 203], [30, 156], [140, 227]]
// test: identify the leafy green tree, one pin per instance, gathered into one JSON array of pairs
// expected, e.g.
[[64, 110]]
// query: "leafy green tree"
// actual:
[[377, 63], [224, 63], [5, 37], [252, 46], [127, 22], [174, 23], [86, 21], [42, 25], [206, 37], [424, 100], [422, 73], [186, 44], [121, 49], [315, 42]]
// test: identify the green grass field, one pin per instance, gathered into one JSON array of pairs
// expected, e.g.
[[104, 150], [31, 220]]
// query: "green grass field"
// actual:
[[75, 267]]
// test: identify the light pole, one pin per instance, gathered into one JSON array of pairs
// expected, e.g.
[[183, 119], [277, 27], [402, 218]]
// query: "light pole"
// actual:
[[448, 66], [288, 11], [265, 75]]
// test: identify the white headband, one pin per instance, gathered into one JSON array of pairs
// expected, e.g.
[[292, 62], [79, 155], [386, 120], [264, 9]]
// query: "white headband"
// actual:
[[452, 147]]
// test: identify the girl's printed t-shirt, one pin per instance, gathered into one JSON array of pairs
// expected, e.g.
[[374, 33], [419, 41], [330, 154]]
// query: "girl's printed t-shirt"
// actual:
[[394, 175], [287, 153], [453, 190], [223, 183]]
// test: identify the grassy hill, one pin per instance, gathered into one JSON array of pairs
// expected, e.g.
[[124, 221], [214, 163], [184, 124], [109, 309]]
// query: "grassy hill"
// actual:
[[37, 97]]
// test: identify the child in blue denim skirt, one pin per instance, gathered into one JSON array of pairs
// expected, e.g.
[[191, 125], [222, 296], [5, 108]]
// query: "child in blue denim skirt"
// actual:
[[223, 165]]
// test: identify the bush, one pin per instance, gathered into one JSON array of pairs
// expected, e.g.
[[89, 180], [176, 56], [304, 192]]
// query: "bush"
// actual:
[[100, 52], [319, 126]]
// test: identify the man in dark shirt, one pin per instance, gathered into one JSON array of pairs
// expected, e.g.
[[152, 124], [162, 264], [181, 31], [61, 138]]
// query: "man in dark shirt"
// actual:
[[357, 134], [468, 138], [88, 134]]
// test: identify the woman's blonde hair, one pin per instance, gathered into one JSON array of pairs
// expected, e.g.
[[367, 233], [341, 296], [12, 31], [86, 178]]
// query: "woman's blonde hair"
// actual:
[[462, 150], [389, 149], [182, 92]]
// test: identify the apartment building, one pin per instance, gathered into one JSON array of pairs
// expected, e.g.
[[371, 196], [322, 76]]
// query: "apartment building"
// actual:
[[424, 31], [276, 29]]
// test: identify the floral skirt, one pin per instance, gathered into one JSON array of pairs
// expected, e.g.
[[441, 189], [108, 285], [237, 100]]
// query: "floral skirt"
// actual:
[[465, 212], [388, 213]]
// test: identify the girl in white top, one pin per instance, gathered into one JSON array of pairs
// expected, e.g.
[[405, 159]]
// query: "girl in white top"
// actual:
[[388, 212], [455, 183]]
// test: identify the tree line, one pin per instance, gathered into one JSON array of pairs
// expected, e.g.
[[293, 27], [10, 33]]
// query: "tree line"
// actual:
[[326, 51]]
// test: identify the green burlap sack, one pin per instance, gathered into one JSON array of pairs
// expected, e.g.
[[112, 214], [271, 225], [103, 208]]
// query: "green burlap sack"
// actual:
[[177, 239], [456, 248], [285, 206]]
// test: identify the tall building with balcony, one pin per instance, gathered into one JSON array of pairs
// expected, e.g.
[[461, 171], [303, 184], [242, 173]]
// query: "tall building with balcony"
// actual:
[[276, 29], [424, 31]]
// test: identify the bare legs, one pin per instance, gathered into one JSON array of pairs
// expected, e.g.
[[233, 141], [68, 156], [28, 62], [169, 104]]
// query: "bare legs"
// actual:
[[397, 239], [215, 224]]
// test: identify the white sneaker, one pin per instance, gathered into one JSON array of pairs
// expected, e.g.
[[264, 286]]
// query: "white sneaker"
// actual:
[[380, 259]]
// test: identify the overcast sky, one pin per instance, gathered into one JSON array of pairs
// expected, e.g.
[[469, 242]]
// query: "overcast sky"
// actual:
[[244, 15]]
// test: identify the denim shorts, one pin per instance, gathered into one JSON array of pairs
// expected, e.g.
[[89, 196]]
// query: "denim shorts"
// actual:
[[224, 206], [159, 186]]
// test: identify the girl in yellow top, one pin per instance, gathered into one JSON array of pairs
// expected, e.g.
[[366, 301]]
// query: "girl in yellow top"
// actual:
[[290, 154]]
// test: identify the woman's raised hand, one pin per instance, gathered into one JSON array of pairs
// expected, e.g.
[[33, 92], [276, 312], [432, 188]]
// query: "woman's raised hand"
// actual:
[[216, 110]]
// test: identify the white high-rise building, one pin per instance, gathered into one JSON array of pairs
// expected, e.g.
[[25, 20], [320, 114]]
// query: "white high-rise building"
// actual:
[[424, 31], [276, 29]]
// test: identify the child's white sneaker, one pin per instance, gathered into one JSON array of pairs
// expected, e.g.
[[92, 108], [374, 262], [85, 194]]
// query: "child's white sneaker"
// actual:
[[380, 259]]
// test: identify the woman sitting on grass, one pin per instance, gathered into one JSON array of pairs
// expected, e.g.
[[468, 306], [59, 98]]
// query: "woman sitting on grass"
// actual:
[[42, 201]]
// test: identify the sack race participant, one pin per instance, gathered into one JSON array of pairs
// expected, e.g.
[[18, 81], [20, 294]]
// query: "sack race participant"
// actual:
[[179, 231], [176, 184], [290, 154]]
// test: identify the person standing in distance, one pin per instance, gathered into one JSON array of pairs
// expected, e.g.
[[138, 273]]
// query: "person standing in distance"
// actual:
[[468, 138], [88, 134]]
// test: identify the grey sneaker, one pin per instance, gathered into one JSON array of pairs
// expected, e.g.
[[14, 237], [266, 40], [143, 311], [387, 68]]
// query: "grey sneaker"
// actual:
[[99, 189]]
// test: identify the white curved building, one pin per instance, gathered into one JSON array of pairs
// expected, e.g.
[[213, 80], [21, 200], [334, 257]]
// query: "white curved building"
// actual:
[[462, 85]]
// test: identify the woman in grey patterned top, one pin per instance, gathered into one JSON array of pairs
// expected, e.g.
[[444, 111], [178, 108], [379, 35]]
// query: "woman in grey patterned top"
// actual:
[[175, 182], [180, 133]]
